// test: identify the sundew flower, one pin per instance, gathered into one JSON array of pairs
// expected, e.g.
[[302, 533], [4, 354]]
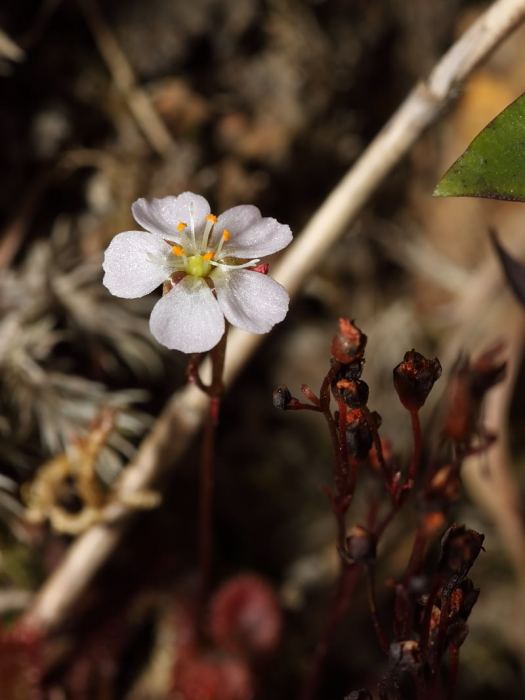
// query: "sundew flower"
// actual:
[[208, 262]]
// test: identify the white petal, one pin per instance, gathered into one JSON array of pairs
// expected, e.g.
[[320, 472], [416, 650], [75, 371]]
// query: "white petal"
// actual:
[[251, 235], [236, 220], [188, 318], [250, 300], [163, 215], [133, 264]]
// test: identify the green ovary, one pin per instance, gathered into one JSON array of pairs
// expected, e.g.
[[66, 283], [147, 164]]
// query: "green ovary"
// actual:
[[197, 266]]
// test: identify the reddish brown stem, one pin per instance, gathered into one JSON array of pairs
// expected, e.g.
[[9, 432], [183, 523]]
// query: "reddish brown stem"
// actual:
[[372, 602], [418, 552], [192, 372], [207, 472], [307, 391], [453, 653], [336, 445], [427, 617], [207, 482], [296, 405], [379, 448], [347, 580], [416, 455]]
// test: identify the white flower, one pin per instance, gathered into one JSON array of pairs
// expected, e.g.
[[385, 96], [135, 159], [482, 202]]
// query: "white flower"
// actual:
[[207, 259]]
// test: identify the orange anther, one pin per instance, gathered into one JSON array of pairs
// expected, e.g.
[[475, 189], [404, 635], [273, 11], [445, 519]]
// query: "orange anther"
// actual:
[[208, 255], [181, 226], [177, 250], [212, 218], [226, 235]]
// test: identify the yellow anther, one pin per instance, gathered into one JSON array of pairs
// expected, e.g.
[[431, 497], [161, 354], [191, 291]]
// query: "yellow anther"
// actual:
[[178, 250], [226, 235], [208, 256], [211, 218], [181, 226]]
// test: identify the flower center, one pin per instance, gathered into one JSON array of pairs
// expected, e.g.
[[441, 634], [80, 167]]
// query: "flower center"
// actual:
[[198, 257], [198, 265]]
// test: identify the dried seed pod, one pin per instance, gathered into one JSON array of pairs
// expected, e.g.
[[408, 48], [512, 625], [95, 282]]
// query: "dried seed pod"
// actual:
[[281, 397], [459, 550], [359, 436], [414, 378], [354, 392], [350, 371], [457, 633], [348, 346]]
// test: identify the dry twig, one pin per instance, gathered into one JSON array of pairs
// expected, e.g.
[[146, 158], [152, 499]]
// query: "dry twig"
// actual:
[[184, 413], [140, 105]]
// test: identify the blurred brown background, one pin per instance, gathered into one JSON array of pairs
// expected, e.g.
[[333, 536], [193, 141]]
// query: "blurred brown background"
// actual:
[[242, 101]]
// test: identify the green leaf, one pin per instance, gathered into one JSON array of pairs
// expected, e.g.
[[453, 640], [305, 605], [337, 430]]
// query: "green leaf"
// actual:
[[493, 165]]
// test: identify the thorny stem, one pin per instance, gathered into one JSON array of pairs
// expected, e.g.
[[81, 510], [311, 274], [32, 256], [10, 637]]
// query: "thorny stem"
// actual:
[[372, 602], [416, 455], [207, 471]]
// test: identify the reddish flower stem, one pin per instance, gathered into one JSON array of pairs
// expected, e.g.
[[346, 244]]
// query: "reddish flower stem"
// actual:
[[379, 449], [340, 503], [207, 471], [418, 552], [418, 444], [372, 602], [427, 617], [348, 577], [453, 654]]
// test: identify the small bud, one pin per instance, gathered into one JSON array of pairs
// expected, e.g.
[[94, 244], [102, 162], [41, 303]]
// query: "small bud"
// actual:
[[348, 346], [281, 397], [359, 437], [360, 545], [353, 392], [414, 378]]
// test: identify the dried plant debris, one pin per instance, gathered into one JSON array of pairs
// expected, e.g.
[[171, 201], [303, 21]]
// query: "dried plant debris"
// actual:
[[67, 490], [59, 330]]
